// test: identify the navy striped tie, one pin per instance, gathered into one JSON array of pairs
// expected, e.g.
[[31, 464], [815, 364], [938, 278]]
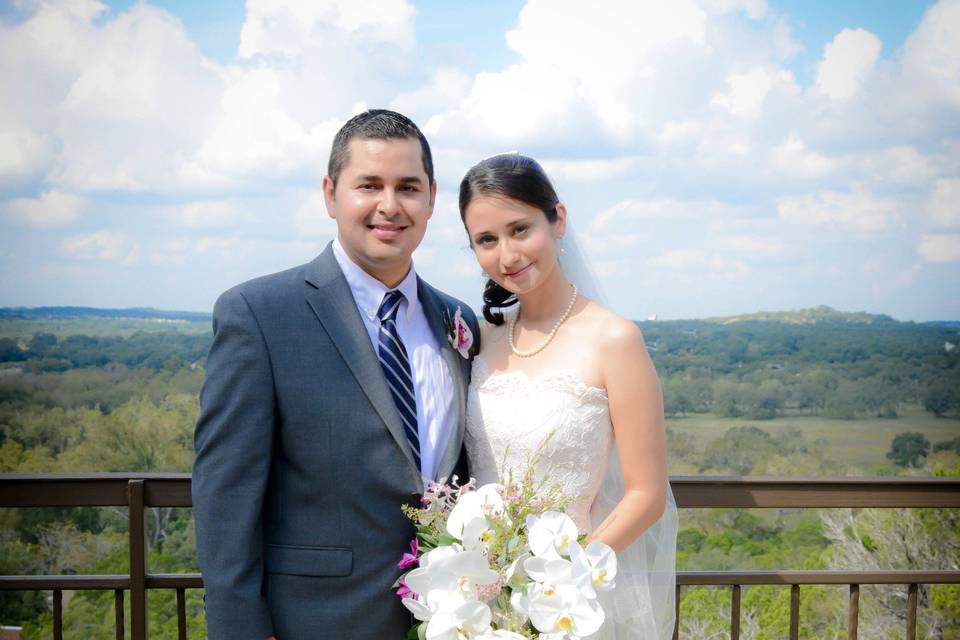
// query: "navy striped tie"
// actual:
[[396, 368]]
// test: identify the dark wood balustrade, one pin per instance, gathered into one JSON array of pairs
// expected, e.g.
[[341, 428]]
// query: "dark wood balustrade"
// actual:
[[138, 491]]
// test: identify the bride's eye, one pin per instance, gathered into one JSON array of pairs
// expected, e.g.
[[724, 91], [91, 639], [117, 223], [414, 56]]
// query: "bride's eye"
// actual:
[[520, 228], [484, 240]]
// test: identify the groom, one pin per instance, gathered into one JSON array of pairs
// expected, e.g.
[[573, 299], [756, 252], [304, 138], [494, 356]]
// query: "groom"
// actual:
[[332, 392]]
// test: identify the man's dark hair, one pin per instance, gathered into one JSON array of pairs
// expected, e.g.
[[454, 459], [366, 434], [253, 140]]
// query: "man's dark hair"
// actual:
[[377, 124]]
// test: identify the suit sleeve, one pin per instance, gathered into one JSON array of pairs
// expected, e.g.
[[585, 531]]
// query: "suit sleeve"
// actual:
[[233, 441]]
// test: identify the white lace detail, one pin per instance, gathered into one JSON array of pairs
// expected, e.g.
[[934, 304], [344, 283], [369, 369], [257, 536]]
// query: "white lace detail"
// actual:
[[510, 414]]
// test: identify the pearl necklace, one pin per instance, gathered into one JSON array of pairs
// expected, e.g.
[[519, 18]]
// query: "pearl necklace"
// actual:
[[553, 332]]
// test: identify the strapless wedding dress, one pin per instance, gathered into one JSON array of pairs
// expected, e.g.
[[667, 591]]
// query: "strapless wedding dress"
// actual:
[[509, 415]]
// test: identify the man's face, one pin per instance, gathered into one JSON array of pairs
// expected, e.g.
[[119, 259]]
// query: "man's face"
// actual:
[[381, 203]]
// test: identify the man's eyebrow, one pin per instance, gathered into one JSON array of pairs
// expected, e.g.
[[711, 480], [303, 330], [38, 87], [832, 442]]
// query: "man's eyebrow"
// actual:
[[410, 179]]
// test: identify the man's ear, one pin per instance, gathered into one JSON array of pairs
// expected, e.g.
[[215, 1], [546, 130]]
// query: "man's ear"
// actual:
[[560, 224], [329, 193], [433, 196]]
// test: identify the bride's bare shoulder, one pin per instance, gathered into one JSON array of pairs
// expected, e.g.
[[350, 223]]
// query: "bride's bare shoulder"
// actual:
[[612, 331]]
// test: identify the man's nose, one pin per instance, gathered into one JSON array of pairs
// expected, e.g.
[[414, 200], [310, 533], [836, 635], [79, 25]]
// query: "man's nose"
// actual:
[[388, 204]]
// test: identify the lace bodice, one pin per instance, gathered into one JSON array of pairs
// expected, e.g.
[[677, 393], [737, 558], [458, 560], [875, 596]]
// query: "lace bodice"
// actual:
[[510, 414]]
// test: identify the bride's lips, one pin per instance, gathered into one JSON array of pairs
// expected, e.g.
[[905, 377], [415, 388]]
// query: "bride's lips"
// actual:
[[520, 272], [386, 231]]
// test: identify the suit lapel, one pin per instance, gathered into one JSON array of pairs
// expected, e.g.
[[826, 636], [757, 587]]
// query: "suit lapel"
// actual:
[[332, 301], [437, 317]]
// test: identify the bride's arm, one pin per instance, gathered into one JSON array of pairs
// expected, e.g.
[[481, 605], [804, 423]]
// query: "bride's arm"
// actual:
[[636, 411]]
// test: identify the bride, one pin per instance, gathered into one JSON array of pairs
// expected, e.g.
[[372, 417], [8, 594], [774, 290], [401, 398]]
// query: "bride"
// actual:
[[554, 361]]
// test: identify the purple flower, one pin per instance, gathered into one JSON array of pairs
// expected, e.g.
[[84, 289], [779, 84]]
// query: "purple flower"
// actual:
[[403, 591], [410, 559]]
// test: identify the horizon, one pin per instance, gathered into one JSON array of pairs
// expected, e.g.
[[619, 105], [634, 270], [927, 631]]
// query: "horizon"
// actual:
[[657, 318], [745, 154]]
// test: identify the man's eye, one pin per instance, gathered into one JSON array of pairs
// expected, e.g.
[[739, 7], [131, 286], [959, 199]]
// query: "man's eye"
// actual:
[[409, 188], [367, 186]]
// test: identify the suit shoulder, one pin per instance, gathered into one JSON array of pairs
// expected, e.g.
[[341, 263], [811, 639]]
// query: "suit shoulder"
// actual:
[[269, 289]]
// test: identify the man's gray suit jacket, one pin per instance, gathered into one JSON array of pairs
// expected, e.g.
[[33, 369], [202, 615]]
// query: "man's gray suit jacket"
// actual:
[[302, 463]]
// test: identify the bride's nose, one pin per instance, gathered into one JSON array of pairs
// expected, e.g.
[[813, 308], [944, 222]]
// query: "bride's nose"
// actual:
[[509, 256]]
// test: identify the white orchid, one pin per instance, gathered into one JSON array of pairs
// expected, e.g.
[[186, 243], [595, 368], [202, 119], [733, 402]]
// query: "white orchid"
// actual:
[[564, 612], [464, 621], [509, 567], [596, 566], [515, 574], [470, 519], [501, 634], [458, 572], [549, 571], [551, 534]]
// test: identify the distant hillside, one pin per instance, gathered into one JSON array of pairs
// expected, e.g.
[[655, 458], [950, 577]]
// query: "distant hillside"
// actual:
[[69, 313], [822, 313]]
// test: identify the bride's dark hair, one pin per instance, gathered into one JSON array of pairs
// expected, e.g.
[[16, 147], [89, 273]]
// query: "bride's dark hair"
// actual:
[[516, 177]]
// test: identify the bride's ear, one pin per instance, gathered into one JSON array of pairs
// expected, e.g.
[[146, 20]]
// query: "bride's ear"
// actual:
[[560, 224]]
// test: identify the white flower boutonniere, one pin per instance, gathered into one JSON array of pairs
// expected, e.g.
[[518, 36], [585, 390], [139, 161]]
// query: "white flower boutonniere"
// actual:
[[459, 334]]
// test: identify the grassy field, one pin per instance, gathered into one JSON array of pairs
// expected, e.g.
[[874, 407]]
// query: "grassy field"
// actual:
[[19, 329], [858, 444]]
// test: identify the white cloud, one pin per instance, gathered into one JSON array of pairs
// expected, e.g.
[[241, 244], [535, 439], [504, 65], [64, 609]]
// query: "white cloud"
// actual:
[[940, 248], [901, 165], [580, 72], [588, 170], [751, 245], [103, 245], [932, 51], [51, 209], [311, 219], [711, 265], [793, 157], [747, 91], [445, 90], [209, 213], [856, 210], [291, 27], [943, 206], [848, 61], [633, 210]]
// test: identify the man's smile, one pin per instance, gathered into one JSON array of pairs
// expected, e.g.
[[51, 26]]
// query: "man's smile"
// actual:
[[386, 230]]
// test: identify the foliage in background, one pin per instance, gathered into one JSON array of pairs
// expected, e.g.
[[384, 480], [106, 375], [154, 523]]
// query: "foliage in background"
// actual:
[[120, 394]]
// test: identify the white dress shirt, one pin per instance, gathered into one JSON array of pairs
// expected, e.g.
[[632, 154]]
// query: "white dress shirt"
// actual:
[[433, 386]]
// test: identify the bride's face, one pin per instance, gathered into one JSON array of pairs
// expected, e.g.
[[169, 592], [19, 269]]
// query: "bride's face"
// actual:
[[514, 242]]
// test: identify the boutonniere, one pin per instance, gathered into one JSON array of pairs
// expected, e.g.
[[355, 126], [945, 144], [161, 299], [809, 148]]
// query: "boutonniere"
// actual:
[[458, 333]]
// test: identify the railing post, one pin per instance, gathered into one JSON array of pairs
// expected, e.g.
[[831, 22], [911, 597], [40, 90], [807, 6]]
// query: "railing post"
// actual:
[[57, 614], [181, 614], [138, 562], [735, 613], [912, 612], [853, 612], [676, 619], [118, 612], [794, 612]]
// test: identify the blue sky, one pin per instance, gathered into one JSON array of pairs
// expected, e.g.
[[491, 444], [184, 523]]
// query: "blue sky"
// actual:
[[717, 156]]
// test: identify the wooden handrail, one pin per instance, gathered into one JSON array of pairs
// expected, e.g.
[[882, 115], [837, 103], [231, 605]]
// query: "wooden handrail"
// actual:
[[139, 491]]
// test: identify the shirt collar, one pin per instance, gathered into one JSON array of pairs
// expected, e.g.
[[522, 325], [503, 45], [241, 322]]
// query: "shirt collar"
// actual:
[[368, 292]]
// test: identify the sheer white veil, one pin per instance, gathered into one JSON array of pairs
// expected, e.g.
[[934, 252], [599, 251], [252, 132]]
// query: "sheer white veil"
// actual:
[[642, 606]]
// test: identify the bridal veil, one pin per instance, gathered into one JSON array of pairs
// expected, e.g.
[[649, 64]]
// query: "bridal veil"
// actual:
[[642, 606]]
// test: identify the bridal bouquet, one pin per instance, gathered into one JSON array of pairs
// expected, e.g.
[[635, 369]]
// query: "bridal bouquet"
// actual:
[[502, 561]]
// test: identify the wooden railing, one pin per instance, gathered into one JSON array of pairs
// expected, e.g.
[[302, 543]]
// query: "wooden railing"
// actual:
[[140, 491]]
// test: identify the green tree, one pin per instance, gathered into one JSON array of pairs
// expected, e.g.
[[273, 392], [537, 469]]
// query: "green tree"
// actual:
[[909, 449]]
